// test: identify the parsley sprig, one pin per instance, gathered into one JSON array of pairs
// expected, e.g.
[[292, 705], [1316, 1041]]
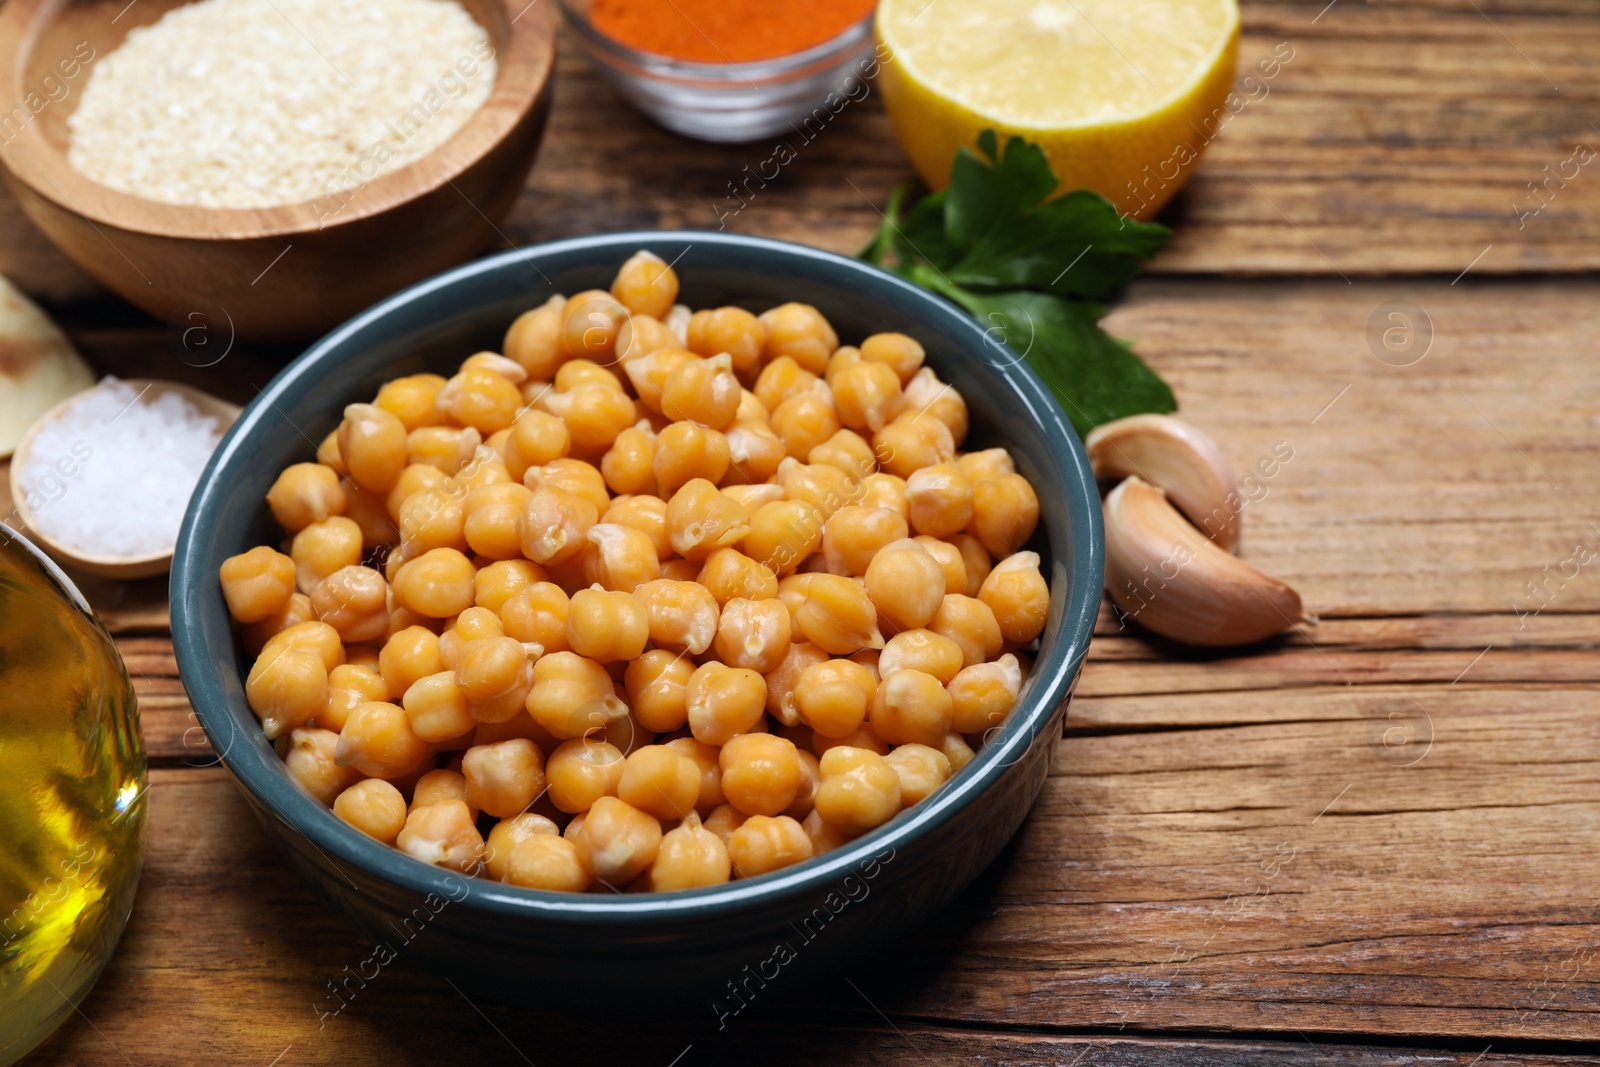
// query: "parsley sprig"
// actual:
[[1034, 271]]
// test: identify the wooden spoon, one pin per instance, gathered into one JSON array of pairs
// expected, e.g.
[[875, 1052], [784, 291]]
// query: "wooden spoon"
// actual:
[[105, 566]]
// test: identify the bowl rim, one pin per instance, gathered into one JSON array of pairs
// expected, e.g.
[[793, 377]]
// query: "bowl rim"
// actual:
[[836, 50], [524, 66], [1080, 550]]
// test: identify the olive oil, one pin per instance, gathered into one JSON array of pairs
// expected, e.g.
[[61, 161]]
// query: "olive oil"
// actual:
[[72, 803]]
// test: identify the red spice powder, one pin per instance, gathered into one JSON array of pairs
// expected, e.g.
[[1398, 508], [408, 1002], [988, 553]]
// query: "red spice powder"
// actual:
[[725, 31]]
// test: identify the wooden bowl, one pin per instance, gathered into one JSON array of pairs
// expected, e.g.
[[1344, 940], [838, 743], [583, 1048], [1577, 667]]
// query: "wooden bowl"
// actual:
[[279, 273], [119, 567]]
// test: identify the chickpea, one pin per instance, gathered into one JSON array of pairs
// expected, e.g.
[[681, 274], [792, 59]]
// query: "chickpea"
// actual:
[[470, 625], [927, 396], [573, 476], [950, 561], [753, 634], [555, 525], [905, 583], [409, 655], [723, 820], [495, 674], [701, 519], [370, 512], [438, 787], [647, 514], [971, 624], [314, 636], [506, 834], [355, 602], [437, 708], [607, 626], [372, 447], [303, 494], [296, 610], [1019, 597], [437, 583], [754, 496], [853, 535], [800, 332], [497, 583], [838, 616], [374, 807], [866, 395], [806, 420], [940, 498], [594, 413], [686, 451], [328, 453], [811, 777], [861, 737], [257, 584], [781, 379], [824, 837], [762, 844], [642, 335], [707, 759], [491, 524], [724, 701], [782, 680], [983, 694], [860, 790], [589, 324], [537, 438], [833, 696], [549, 862], [704, 391], [682, 616], [645, 285], [285, 688], [445, 448], [728, 329], [911, 707], [921, 650], [728, 573], [885, 491], [1005, 512], [957, 751], [628, 467], [519, 725], [849, 452], [534, 339], [412, 399], [618, 841], [660, 781], [908, 444], [657, 687], [310, 764], [322, 548], [620, 557], [444, 835], [690, 857], [538, 615], [581, 771], [902, 354], [761, 773], [824, 487], [572, 696], [649, 374], [921, 771], [783, 534], [503, 779], [413, 479], [976, 559], [433, 518], [349, 684], [378, 741]]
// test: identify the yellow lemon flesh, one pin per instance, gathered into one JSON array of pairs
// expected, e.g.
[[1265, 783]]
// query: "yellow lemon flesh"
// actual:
[[1122, 95]]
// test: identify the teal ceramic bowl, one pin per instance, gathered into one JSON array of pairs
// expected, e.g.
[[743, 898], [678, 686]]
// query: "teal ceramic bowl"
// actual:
[[704, 950]]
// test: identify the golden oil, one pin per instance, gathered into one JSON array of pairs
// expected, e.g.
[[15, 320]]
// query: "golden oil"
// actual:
[[72, 784]]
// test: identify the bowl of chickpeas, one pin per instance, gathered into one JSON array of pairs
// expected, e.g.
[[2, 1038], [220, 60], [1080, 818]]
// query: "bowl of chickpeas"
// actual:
[[679, 615]]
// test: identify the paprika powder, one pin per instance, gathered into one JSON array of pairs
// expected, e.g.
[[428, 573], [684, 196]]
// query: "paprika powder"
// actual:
[[725, 31]]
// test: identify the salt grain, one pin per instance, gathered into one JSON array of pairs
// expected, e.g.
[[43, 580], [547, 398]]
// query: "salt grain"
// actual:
[[253, 103], [113, 473]]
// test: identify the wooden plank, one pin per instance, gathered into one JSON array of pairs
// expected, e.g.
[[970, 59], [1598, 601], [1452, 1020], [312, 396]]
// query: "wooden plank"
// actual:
[[1397, 138]]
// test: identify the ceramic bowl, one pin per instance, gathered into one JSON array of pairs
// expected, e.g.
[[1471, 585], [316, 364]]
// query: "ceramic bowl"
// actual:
[[681, 952]]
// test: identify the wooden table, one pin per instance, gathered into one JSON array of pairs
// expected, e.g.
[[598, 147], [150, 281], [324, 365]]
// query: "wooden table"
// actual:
[[1371, 843]]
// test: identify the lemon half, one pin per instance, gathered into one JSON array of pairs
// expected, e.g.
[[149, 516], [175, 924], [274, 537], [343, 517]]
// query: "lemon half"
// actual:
[[1122, 95]]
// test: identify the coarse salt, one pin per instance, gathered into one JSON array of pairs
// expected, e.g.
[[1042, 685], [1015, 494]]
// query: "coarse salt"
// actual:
[[255, 103], [113, 473]]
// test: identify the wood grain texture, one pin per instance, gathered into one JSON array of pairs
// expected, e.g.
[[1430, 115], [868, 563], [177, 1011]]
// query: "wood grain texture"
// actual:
[[1395, 138]]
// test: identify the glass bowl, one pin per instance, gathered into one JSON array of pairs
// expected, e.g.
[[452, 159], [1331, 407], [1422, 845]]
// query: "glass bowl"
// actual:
[[734, 101]]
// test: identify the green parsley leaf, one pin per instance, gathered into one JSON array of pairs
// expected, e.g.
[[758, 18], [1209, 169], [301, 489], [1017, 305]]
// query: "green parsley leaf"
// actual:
[[1033, 270]]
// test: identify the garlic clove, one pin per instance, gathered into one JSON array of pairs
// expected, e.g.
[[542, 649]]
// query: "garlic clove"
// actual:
[[1175, 456], [1166, 575]]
